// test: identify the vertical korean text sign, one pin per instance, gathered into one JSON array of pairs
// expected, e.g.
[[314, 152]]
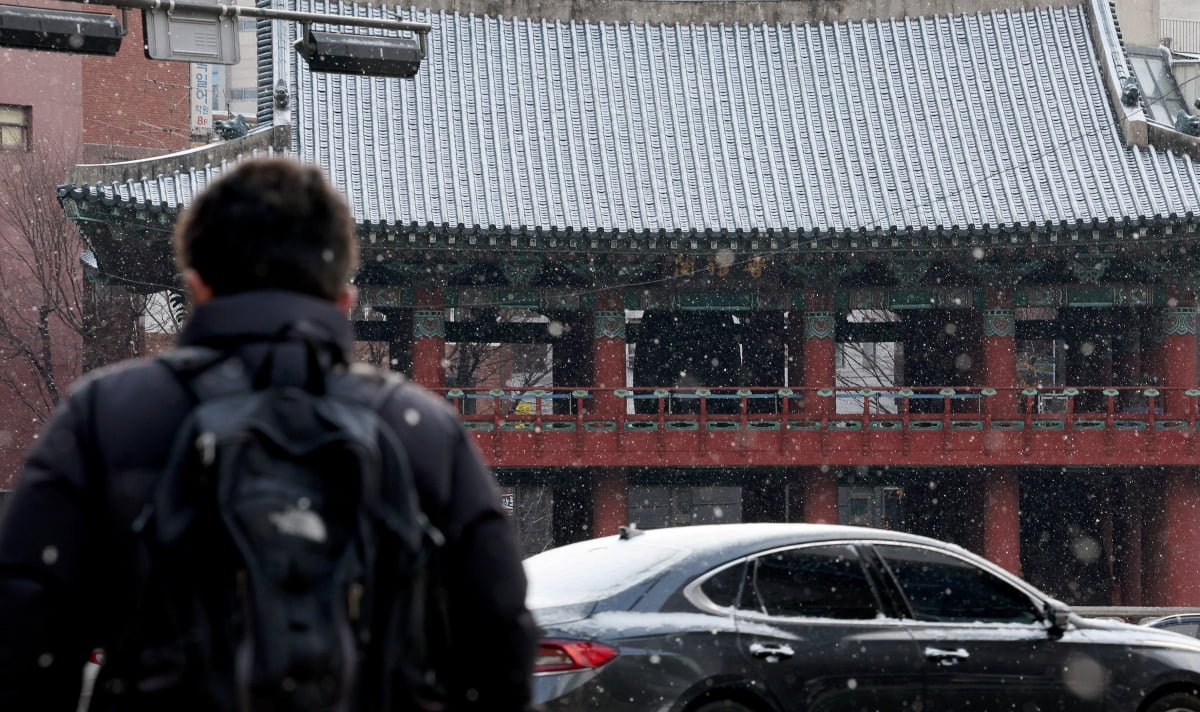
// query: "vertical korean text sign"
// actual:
[[201, 100]]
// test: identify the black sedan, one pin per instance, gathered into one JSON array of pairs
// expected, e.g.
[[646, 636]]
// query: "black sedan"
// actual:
[[814, 618], [1185, 623]]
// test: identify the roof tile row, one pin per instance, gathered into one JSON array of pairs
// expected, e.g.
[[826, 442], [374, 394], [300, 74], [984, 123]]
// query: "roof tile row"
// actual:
[[998, 119]]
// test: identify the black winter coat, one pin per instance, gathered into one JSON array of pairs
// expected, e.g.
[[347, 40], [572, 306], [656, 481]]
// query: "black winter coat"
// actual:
[[67, 549]]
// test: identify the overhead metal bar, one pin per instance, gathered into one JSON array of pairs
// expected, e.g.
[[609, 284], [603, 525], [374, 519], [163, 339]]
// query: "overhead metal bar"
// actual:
[[219, 10], [198, 31]]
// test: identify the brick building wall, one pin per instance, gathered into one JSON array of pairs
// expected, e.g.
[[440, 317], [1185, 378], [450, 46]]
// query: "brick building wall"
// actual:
[[134, 107], [46, 85], [93, 109]]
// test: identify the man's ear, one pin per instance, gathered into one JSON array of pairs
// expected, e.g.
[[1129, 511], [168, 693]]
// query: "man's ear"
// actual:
[[198, 290], [347, 298]]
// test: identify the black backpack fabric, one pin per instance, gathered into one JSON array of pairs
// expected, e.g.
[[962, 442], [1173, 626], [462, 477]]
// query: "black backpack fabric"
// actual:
[[287, 563]]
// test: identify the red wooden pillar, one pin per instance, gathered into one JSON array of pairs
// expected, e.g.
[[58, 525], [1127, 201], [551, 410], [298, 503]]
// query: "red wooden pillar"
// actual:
[[1179, 357], [610, 501], [1000, 352], [429, 340], [610, 488], [608, 350], [820, 353], [1001, 486], [1001, 518], [820, 371], [821, 495], [1174, 582]]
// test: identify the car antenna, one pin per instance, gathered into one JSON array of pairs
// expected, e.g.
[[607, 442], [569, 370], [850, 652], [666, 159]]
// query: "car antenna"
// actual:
[[629, 531]]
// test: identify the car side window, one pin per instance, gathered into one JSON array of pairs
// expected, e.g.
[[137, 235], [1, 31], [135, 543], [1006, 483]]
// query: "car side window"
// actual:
[[812, 581], [723, 587], [941, 587], [1186, 627]]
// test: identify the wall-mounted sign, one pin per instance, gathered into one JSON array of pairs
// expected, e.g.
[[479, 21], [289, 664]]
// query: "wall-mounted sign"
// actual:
[[202, 88]]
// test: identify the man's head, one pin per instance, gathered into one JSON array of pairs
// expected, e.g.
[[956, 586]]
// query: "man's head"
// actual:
[[268, 224]]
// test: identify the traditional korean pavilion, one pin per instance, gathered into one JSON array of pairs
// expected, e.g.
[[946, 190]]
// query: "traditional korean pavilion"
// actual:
[[702, 220]]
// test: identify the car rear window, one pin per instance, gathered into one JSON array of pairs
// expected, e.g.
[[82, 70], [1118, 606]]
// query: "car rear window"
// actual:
[[1179, 627], [590, 571], [814, 582]]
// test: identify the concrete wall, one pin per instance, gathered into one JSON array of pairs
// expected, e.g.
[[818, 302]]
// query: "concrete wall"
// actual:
[[1181, 23], [784, 11], [1139, 22], [244, 74], [1179, 9]]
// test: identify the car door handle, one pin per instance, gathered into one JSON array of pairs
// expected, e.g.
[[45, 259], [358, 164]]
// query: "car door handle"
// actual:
[[946, 657], [771, 652]]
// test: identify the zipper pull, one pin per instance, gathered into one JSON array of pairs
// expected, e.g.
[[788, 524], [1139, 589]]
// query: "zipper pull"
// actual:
[[206, 443]]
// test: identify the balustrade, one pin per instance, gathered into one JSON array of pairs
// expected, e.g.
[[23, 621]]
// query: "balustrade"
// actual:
[[1090, 408], [953, 426]]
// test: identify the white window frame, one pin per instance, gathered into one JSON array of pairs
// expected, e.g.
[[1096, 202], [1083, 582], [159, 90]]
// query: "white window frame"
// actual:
[[10, 124]]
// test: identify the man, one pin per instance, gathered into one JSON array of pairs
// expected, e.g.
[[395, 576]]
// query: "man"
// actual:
[[269, 245]]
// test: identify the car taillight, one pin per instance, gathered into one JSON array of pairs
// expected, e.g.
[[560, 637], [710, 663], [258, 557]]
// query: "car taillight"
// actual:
[[560, 655]]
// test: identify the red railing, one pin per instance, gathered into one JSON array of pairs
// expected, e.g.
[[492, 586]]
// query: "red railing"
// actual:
[[959, 426], [834, 408]]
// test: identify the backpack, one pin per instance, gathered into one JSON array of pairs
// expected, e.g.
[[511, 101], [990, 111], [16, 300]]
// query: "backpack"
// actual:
[[287, 564]]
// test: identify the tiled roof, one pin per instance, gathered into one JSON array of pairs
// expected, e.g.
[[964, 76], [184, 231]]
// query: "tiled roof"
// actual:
[[998, 119]]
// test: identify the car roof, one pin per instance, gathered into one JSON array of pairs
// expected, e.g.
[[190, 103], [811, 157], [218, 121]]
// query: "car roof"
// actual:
[[737, 539], [619, 568], [1172, 618], [725, 538]]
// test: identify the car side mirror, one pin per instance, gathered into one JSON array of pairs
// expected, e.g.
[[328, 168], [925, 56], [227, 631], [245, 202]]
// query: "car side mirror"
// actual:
[[1058, 616]]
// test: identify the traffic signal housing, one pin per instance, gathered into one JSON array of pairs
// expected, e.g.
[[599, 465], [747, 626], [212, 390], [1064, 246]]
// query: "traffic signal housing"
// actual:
[[60, 30], [374, 55]]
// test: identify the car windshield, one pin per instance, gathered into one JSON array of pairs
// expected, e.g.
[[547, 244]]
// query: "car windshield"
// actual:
[[590, 571]]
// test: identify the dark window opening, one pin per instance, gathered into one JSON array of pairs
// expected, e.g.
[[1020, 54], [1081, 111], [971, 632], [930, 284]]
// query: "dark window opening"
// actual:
[[723, 588], [940, 587], [814, 582], [14, 128]]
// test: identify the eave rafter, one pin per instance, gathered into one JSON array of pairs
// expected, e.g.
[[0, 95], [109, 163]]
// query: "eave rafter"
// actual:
[[134, 239]]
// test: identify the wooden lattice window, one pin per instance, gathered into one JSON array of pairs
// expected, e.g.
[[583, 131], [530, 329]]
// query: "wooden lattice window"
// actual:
[[14, 128]]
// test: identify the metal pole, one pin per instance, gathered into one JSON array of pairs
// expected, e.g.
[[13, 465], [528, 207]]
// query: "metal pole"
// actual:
[[221, 10]]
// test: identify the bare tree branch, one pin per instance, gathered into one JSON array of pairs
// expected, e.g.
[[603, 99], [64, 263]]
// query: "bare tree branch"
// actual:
[[375, 353], [869, 364], [520, 366], [43, 320]]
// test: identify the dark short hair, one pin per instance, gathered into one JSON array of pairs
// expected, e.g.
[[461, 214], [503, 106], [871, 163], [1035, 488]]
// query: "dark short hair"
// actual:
[[269, 224]]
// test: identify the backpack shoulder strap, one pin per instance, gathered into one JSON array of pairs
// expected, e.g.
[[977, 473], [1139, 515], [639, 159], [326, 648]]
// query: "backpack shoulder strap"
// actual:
[[205, 372], [185, 361], [366, 384]]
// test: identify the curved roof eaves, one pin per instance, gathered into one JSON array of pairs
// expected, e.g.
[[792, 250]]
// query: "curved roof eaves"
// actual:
[[851, 126], [902, 125]]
